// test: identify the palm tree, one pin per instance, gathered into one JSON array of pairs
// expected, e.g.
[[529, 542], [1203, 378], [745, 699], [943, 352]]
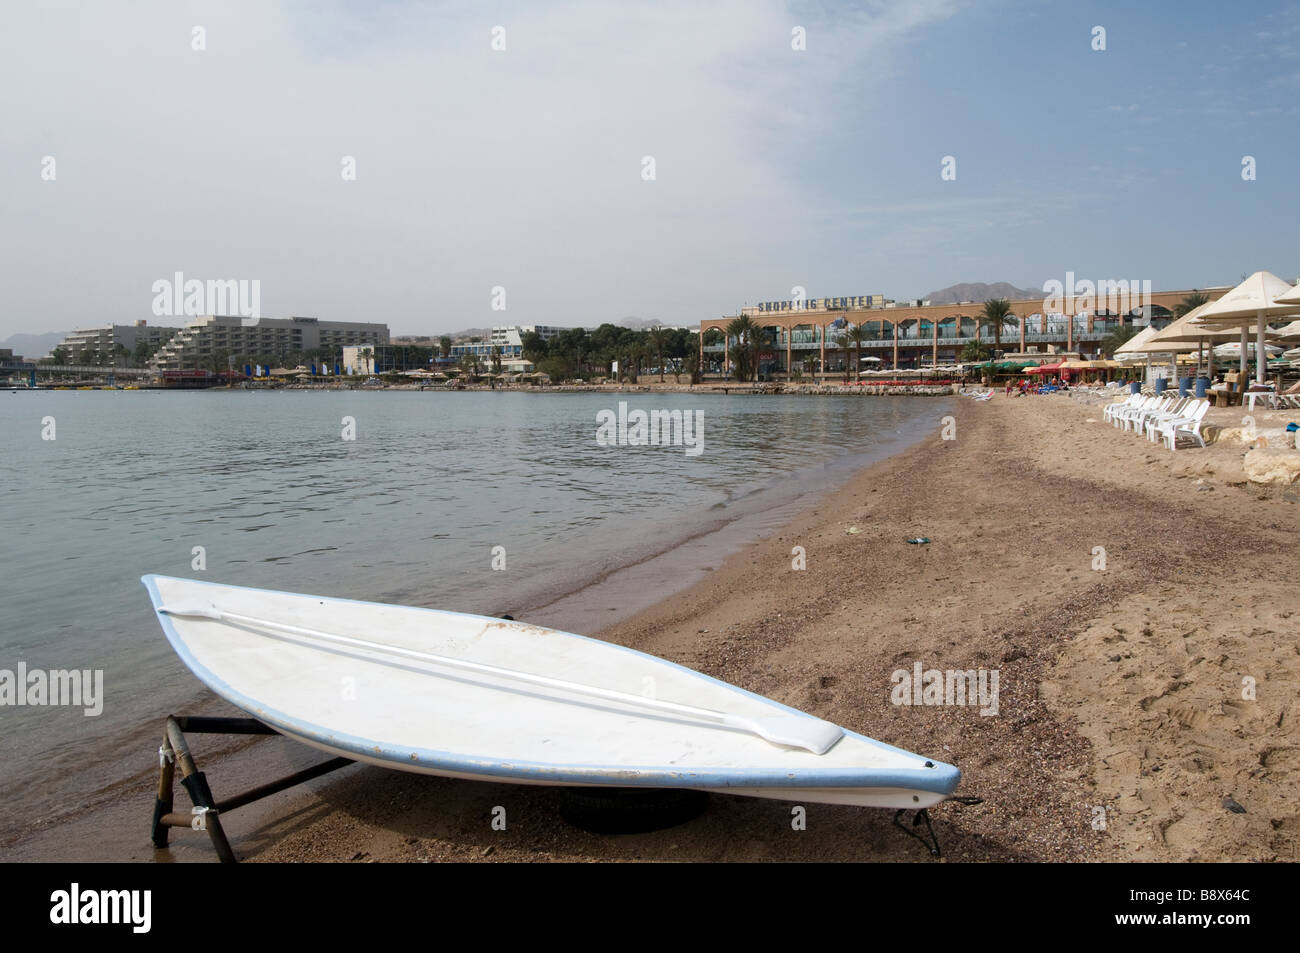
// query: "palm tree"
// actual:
[[747, 335], [843, 342], [1112, 342], [857, 334], [658, 341], [974, 351], [1190, 303], [996, 311], [810, 363], [496, 359]]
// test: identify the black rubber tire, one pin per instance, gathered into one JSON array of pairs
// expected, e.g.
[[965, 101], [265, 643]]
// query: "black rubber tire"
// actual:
[[630, 810]]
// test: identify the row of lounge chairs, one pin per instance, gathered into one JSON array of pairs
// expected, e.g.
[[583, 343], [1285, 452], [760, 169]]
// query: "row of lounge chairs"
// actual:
[[1167, 417]]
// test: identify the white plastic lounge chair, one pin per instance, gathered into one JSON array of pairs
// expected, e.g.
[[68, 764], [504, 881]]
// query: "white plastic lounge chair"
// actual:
[[1151, 422], [1117, 418], [1190, 425], [1112, 409], [1131, 419]]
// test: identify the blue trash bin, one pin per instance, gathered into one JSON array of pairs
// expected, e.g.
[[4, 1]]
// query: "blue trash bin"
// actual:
[[1161, 384], [1184, 386], [1135, 387], [1202, 386]]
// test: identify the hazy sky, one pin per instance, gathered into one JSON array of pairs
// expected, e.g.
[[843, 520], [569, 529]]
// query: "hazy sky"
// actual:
[[522, 168]]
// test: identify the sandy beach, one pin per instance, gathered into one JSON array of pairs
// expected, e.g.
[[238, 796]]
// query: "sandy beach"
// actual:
[[1125, 712]]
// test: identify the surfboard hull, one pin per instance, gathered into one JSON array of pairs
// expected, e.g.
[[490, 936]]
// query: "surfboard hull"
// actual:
[[416, 715]]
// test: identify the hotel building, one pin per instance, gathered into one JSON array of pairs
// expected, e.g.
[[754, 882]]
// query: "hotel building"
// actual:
[[100, 344], [509, 338], [914, 334], [253, 339]]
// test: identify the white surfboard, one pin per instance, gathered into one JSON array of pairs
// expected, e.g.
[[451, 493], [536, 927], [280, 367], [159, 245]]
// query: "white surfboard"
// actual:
[[466, 696]]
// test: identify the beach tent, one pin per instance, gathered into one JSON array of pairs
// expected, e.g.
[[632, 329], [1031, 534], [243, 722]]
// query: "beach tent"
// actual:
[[1252, 301]]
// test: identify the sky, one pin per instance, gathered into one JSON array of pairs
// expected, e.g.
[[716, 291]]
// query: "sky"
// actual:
[[524, 168]]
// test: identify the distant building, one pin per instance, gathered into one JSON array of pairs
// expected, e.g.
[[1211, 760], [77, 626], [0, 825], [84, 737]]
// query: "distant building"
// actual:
[[100, 344], [246, 340], [381, 358], [509, 338]]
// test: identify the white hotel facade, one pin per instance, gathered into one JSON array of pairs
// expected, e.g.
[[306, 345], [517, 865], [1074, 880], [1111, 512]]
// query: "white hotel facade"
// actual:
[[100, 343], [251, 339]]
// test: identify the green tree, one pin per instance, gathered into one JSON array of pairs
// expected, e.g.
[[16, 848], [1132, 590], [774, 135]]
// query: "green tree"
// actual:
[[496, 359], [59, 355], [1190, 303], [534, 347], [996, 311], [857, 335], [444, 343], [556, 368], [691, 365], [658, 343], [744, 352], [1113, 341], [841, 341], [975, 351]]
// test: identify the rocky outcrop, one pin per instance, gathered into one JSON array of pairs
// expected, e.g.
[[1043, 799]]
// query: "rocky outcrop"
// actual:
[[1272, 467]]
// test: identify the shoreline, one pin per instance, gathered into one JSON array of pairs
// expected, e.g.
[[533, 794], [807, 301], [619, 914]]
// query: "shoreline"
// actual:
[[1120, 689]]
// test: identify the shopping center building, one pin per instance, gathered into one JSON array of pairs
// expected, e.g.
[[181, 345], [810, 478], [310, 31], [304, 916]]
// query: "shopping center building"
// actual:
[[807, 334]]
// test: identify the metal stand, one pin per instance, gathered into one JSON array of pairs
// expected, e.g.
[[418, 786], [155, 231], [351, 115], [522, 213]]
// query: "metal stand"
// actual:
[[207, 811], [929, 839]]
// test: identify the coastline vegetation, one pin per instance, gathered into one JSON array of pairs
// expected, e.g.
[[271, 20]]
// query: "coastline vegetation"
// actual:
[[576, 354]]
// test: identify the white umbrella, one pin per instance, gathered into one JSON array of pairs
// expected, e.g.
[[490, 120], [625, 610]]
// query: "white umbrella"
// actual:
[[1291, 297], [1253, 298], [1289, 333], [1233, 349]]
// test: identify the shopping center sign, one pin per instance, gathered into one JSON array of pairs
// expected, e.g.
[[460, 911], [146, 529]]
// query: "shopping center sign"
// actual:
[[821, 304]]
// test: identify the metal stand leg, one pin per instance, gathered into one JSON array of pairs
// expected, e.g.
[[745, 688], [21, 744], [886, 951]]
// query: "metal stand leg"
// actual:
[[929, 839], [207, 811], [932, 843]]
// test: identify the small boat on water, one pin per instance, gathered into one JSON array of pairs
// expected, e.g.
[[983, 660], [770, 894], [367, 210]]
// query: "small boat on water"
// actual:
[[466, 696]]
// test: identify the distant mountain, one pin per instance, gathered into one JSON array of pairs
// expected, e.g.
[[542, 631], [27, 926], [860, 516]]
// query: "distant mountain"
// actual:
[[34, 346], [980, 292]]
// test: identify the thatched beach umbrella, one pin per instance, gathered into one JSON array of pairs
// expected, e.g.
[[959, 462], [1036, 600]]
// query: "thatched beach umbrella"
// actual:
[[1252, 301]]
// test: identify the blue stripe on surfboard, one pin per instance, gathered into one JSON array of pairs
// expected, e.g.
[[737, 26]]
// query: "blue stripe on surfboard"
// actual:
[[941, 779]]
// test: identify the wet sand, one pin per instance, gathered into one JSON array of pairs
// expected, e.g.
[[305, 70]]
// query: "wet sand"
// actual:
[[1121, 724]]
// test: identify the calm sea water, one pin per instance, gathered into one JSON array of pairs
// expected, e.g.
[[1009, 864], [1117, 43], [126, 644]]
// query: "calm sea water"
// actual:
[[409, 511]]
